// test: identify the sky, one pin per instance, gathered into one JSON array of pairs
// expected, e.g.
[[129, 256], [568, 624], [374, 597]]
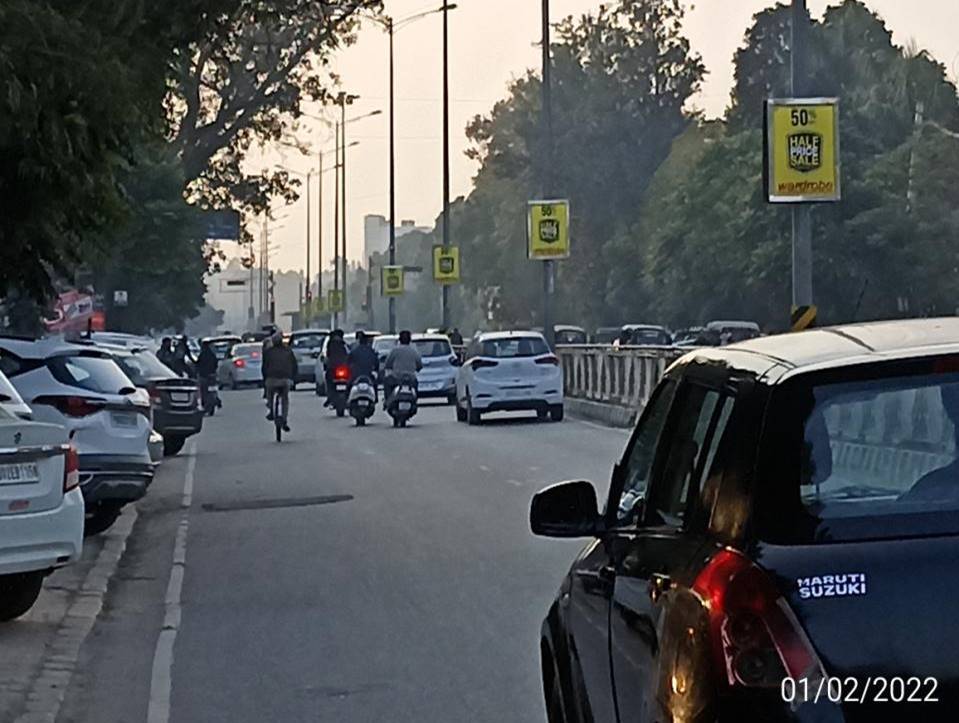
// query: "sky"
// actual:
[[491, 43]]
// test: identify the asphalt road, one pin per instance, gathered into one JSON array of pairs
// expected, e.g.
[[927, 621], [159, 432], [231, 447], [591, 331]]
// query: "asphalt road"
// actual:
[[344, 575]]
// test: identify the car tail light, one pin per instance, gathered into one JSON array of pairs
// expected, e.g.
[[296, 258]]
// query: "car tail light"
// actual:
[[155, 396], [255, 355], [71, 469], [757, 640], [239, 363], [548, 359], [73, 406], [341, 373], [483, 364]]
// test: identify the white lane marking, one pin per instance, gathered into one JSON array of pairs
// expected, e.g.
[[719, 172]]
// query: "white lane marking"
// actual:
[[514, 482], [161, 676], [483, 468]]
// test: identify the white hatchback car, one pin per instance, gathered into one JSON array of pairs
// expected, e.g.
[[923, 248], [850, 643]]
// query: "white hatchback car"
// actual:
[[41, 509], [509, 371], [437, 378], [242, 365], [82, 389]]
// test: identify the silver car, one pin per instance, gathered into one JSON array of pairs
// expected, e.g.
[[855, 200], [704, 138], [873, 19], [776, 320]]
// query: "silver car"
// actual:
[[242, 365], [306, 345], [437, 378]]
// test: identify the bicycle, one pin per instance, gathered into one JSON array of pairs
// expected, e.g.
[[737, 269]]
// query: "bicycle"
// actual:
[[278, 420]]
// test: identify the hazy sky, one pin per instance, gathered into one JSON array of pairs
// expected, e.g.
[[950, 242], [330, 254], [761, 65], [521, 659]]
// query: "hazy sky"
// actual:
[[492, 42]]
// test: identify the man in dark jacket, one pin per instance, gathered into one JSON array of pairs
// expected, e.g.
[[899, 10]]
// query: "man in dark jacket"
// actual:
[[363, 360], [337, 354], [279, 370]]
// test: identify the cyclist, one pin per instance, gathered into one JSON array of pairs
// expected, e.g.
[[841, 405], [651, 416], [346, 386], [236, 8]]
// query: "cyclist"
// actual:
[[279, 369]]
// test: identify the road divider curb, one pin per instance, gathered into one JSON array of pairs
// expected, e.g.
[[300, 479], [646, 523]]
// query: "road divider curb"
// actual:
[[47, 691], [610, 415]]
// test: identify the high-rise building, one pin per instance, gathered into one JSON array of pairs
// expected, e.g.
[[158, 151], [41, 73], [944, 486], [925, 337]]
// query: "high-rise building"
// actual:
[[376, 233]]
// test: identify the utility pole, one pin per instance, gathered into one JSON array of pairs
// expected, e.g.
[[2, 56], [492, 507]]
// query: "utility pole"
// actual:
[[369, 294], [336, 226], [343, 102], [446, 158], [392, 300], [547, 179], [801, 212], [308, 295], [319, 230]]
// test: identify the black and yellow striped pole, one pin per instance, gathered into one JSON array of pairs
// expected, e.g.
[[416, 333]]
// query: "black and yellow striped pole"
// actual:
[[802, 318]]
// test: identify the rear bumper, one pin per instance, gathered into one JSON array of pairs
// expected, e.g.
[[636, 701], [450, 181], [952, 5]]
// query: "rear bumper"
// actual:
[[177, 423], [485, 399], [428, 388], [305, 371], [114, 478], [43, 540]]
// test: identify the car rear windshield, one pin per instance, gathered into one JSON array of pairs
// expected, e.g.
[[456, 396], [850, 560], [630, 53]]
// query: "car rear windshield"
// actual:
[[248, 350], [648, 336], [516, 346], [221, 348], [93, 373], [308, 341], [143, 366], [433, 347], [875, 454]]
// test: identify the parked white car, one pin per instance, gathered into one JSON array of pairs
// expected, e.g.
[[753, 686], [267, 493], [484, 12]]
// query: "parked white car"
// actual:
[[508, 371], [41, 509], [11, 400], [83, 390], [437, 378]]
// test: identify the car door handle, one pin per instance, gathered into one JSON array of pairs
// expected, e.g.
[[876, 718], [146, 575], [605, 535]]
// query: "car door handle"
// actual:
[[607, 573], [658, 584]]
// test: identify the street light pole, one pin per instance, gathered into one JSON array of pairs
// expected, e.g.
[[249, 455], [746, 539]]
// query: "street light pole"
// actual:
[[308, 294], [319, 230], [343, 101], [547, 170], [336, 226], [801, 212], [446, 157], [392, 299]]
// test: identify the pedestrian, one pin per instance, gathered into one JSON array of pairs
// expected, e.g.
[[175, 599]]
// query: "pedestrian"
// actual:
[[456, 339], [182, 361], [625, 338], [165, 353]]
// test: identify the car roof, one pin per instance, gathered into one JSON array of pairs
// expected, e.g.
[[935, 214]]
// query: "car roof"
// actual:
[[45, 348], [222, 337], [304, 332], [844, 345], [651, 327], [733, 325], [430, 337], [490, 335]]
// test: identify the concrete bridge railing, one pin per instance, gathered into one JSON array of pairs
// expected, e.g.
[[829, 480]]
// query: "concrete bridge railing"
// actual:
[[613, 383]]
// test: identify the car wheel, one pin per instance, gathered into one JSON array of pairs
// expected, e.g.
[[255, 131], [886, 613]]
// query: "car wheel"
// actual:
[[293, 387], [233, 385], [18, 593], [460, 412], [555, 710], [172, 445], [472, 415], [100, 518], [556, 413], [542, 414], [451, 399]]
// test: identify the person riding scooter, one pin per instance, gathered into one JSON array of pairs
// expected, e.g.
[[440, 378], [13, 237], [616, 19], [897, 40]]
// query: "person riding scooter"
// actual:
[[403, 359], [337, 354], [362, 360], [206, 364]]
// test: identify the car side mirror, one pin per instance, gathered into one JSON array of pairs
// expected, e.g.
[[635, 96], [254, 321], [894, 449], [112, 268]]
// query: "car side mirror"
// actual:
[[566, 509]]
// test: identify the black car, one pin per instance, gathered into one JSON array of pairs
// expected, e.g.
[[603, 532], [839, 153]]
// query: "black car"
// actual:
[[780, 540], [175, 401]]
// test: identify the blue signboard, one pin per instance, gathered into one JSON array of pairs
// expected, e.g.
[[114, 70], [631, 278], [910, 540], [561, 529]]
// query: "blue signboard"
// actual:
[[223, 225]]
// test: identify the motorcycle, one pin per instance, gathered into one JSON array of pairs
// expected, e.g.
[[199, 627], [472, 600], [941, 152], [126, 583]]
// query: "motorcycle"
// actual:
[[337, 394], [362, 400], [210, 395], [402, 402]]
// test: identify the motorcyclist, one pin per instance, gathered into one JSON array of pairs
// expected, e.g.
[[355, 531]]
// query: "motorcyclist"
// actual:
[[403, 359], [279, 368], [206, 364], [337, 354], [363, 360]]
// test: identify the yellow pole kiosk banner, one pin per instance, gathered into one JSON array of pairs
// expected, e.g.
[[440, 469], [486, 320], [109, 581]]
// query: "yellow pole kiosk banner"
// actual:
[[392, 280], [446, 264], [547, 231], [802, 150]]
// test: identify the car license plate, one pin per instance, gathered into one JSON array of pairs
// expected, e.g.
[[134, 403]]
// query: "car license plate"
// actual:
[[181, 397], [341, 387], [404, 406], [19, 473], [515, 393], [124, 419]]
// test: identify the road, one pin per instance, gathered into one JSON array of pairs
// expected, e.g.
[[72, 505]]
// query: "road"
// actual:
[[344, 575]]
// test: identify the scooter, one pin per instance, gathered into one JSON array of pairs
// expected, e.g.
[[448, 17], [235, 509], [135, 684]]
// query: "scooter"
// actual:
[[362, 400], [402, 402], [337, 394]]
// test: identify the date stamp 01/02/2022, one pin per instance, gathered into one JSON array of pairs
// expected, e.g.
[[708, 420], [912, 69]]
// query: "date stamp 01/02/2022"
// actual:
[[869, 690]]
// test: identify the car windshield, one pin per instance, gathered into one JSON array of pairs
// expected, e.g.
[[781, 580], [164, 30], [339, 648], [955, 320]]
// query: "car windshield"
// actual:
[[93, 373], [143, 366], [222, 347], [432, 347], [514, 346], [648, 336], [308, 341], [384, 344], [875, 456], [248, 350]]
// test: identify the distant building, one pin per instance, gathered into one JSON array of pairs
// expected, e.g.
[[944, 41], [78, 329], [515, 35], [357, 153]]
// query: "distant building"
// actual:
[[229, 291], [376, 234]]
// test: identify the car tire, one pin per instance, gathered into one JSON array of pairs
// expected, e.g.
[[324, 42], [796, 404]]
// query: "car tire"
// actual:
[[451, 399], [233, 385], [473, 416], [172, 445], [542, 414], [460, 413], [101, 517], [556, 412], [18, 593], [553, 693]]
